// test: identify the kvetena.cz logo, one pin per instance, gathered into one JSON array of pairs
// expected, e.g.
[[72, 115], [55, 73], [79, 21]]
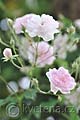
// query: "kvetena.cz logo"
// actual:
[[14, 111]]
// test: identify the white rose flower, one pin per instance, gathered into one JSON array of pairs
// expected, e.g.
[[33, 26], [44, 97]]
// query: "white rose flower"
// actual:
[[43, 26]]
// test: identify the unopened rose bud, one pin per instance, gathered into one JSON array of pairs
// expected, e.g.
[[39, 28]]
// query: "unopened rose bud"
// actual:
[[9, 22], [12, 87], [71, 29], [7, 53], [24, 83], [4, 25], [59, 98], [61, 25], [50, 118], [77, 23]]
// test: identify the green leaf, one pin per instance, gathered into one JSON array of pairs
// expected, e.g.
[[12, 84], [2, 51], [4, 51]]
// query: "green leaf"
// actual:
[[30, 94], [63, 63], [6, 100], [37, 114], [1, 102], [73, 114], [67, 22], [49, 104]]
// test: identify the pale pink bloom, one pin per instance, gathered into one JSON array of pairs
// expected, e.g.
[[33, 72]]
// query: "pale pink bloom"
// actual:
[[7, 53], [41, 54], [45, 54], [23, 46], [74, 98], [62, 45], [60, 80], [42, 26], [21, 22], [33, 25]]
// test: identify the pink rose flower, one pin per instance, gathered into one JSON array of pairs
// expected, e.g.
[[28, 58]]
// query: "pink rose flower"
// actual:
[[43, 26], [60, 80], [21, 22], [43, 53]]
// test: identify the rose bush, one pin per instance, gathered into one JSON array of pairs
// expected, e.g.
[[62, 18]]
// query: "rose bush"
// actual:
[[39, 49]]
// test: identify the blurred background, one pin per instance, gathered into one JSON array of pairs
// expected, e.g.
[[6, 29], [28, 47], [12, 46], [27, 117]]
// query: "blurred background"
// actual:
[[13, 8]]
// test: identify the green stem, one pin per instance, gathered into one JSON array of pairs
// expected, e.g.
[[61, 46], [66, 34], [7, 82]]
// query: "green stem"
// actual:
[[16, 38], [36, 56], [5, 44], [43, 92], [77, 69], [17, 57], [46, 93], [66, 116], [15, 64], [29, 38], [1, 78]]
